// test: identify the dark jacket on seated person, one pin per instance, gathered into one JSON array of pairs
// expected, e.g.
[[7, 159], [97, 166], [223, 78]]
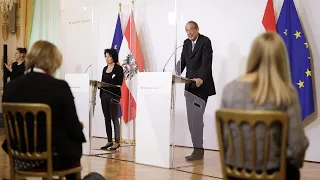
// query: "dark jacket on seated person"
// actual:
[[34, 87]]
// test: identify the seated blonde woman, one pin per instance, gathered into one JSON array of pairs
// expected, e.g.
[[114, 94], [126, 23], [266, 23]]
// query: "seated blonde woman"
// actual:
[[267, 86], [39, 86]]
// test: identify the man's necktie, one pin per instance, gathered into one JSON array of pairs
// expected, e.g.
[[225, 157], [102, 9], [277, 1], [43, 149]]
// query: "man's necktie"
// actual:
[[193, 45]]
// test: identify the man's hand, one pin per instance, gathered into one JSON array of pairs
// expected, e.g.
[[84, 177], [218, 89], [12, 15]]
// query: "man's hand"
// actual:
[[198, 81], [82, 125]]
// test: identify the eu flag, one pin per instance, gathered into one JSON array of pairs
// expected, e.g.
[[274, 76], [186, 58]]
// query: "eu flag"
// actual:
[[118, 35], [116, 43], [290, 29]]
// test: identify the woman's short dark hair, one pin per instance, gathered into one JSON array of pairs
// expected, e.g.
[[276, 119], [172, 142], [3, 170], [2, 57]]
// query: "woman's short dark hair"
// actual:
[[22, 50], [113, 53]]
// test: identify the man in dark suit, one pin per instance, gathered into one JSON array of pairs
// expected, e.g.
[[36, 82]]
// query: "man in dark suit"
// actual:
[[196, 56]]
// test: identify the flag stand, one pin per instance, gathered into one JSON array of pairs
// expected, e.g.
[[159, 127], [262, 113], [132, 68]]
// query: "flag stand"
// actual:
[[121, 119], [122, 141], [134, 120], [126, 141]]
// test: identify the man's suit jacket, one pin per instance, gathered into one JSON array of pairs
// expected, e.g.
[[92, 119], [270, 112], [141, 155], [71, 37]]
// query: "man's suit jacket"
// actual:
[[34, 87], [199, 65]]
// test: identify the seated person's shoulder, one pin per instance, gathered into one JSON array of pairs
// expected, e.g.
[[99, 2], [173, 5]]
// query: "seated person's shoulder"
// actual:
[[294, 91], [294, 95], [54, 81], [64, 88], [63, 83], [13, 84], [228, 89], [228, 85], [234, 84]]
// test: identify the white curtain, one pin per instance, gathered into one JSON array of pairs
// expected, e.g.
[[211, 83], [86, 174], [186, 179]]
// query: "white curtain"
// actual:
[[46, 22]]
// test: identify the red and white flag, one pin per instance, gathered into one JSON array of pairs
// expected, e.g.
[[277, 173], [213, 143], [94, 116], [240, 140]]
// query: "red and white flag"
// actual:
[[269, 19], [130, 59]]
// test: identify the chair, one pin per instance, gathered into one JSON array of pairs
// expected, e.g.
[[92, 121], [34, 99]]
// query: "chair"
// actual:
[[17, 117], [226, 117]]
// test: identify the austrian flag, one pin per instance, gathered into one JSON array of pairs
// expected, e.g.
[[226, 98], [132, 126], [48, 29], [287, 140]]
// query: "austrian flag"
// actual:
[[131, 60]]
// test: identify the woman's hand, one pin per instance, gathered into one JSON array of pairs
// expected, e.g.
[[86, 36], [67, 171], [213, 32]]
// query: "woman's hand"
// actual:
[[8, 66]]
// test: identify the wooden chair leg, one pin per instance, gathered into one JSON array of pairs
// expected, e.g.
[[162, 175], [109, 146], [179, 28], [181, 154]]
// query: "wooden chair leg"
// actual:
[[78, 175], [13, 176]]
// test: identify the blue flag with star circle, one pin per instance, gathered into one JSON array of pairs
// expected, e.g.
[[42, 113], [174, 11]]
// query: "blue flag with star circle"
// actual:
[[116, 44], [290, 29], [118, 35]]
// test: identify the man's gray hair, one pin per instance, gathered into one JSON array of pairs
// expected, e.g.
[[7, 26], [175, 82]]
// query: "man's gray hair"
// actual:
[[194, 23]]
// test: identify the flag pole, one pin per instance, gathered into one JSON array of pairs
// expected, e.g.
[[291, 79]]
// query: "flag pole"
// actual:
[[121, 119], [134, 120]]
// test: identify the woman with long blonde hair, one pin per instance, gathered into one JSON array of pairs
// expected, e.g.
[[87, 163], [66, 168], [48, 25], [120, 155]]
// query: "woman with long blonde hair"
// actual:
[[267, 86]]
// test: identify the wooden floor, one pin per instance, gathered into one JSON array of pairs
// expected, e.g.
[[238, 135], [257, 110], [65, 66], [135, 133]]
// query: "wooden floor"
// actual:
[[121, 166]]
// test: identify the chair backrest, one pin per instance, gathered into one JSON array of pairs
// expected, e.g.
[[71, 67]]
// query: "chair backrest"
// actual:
[[226, 117], [26, 125]]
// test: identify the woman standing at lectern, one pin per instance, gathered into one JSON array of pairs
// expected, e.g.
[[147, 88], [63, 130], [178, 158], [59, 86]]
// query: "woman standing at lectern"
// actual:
[[110, 97]]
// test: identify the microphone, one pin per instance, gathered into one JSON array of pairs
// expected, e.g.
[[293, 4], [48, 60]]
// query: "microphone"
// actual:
[[87, 68], [170, 58]]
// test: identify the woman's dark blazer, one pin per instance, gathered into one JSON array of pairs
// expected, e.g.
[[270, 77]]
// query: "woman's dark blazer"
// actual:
[[34, 87]]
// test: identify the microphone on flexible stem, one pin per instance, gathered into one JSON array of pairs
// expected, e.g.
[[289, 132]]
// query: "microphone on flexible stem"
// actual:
[[87, 68], [170, 58]]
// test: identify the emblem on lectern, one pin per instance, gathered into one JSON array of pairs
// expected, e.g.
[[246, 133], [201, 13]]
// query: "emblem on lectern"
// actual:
[[130, 68]]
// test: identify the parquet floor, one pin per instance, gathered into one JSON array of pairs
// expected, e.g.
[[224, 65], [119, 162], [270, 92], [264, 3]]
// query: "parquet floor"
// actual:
[[121, 166]]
